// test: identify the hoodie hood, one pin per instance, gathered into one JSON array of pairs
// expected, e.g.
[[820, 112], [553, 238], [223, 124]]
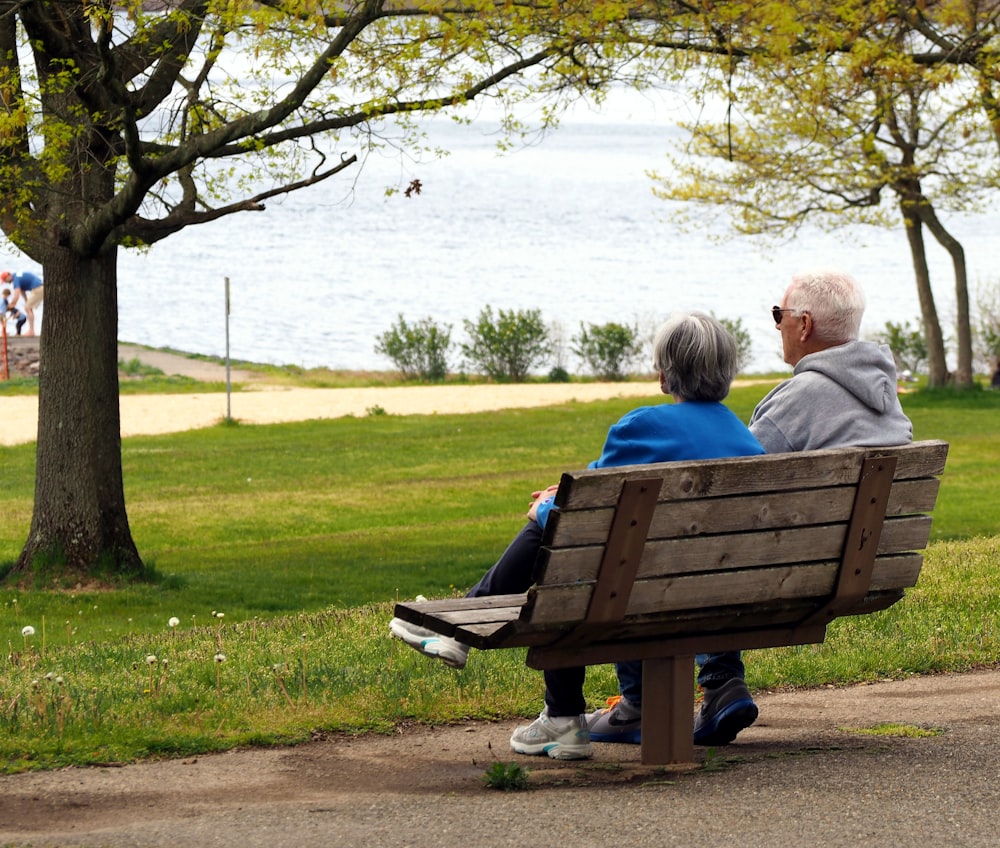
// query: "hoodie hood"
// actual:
[[843, 396], [864, 369]]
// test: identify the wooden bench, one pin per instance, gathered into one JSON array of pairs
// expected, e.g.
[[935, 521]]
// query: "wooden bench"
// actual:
[[660, 562]]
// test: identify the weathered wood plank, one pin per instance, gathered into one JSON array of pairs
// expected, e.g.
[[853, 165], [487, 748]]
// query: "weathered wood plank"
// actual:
[[733, 550], [678, 519], [672, 593], [707, 478]]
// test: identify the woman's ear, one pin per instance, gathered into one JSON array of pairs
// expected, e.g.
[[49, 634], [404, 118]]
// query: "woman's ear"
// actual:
[[663, 384]]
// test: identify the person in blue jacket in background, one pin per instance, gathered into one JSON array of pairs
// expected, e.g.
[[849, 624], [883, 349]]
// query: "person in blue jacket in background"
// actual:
[[696, 359]]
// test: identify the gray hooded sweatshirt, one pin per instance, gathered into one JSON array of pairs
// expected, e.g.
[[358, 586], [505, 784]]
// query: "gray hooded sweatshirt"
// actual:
[[839, 397]]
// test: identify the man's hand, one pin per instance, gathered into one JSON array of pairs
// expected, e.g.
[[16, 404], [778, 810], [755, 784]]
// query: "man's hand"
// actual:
[[538, 497]]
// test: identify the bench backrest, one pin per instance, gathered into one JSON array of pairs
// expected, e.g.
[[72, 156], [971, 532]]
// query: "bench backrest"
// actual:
[[729, 553]]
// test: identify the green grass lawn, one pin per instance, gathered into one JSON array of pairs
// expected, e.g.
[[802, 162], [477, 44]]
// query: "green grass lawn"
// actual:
[[282, 547]]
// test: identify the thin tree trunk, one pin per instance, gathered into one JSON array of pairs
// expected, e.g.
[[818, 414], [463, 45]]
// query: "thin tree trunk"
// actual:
[[963, 321], [79, 525], [936, 362]]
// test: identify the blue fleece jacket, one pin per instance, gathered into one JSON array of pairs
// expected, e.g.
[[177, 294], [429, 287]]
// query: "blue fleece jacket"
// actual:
[[668, 432]]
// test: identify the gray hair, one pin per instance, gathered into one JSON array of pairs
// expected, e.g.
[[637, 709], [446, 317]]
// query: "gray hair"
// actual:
[[833, 299], [696, 355]]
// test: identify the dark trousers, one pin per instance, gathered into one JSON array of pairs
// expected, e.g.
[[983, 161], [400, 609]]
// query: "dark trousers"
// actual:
[[512, 574]]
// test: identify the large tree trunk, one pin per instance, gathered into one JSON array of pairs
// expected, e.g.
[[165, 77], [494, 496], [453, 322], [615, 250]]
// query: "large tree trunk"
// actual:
[[79, 525], [936, 362]]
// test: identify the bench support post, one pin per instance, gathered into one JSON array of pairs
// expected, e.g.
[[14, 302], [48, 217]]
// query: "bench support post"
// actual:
[[668, 710]]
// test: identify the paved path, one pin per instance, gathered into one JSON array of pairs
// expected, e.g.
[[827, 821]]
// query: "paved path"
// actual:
[[804, 775]]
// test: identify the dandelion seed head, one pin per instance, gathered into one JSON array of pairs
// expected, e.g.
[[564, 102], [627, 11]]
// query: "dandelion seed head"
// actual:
[[27, 630], [151, 659], [220, 658], [174, 621]]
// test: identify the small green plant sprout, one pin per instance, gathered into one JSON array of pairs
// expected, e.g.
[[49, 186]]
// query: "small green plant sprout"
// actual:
[[374, 411], [506, 777]]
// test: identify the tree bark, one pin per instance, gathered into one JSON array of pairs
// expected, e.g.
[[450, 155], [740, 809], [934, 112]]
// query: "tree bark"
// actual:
[[936, 361], [79, 526], [963, 321]]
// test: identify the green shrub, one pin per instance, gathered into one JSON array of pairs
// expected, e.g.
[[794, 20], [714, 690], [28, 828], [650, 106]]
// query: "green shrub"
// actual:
[[907, 344], [507, 347], [419, 351], [744, 344], [988, 331], [608, 350]]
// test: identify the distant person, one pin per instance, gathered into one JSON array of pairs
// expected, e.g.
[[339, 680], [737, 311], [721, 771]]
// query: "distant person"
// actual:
[[13, 312], [28, 286], [842, 393], [696, 359]]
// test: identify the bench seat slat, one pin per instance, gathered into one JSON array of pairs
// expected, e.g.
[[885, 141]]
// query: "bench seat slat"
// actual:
[[498, 625], [722, 623]]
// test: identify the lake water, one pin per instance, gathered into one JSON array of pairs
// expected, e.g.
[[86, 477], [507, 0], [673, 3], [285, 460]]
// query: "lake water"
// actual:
[[569, 226]]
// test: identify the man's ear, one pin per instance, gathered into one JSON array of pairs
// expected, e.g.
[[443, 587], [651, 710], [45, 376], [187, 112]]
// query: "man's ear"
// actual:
[[807, 327], [663, 384]]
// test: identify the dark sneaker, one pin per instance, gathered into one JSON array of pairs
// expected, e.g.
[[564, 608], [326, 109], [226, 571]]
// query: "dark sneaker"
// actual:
[[726, 710], [618, 722]]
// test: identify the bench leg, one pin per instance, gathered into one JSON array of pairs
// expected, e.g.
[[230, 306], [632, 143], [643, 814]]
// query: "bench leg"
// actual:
[[668, 710]]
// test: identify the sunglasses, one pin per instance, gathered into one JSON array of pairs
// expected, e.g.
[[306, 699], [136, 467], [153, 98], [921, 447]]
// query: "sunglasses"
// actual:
[[777, 312]]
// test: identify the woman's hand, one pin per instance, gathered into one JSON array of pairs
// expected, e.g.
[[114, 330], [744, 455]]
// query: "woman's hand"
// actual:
[[539, 497]]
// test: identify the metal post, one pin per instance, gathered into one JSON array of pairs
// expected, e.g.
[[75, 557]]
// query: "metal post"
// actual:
[[229, 416]]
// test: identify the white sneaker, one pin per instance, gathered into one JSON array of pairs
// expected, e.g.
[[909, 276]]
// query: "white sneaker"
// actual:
[[430, 644], [562, 738]]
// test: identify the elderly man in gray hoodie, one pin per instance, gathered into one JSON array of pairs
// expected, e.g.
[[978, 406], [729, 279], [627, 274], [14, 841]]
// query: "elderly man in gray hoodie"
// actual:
[[842, 393]]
